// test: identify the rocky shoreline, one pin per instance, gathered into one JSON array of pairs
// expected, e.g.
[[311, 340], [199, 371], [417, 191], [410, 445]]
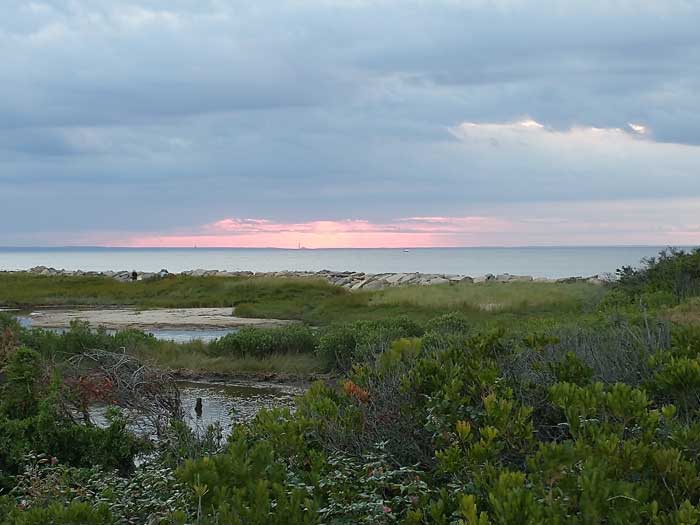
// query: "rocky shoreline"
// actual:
[[353, 281]]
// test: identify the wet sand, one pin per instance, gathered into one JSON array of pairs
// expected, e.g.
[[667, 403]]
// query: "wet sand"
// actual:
[[180, 318]]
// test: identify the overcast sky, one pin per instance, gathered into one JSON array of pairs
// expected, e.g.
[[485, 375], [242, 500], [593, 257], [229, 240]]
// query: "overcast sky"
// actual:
[[349, 122]]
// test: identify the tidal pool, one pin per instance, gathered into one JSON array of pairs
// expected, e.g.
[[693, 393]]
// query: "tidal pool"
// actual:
[[165, 334], [226, 404]]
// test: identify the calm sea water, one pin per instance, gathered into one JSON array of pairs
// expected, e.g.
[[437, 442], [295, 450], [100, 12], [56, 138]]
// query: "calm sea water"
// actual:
[[538, 262]]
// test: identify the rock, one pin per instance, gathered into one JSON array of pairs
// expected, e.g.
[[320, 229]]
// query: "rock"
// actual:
[[198, 273], [395, 278], [123, 276], [435, 280], [570, 280], [357, 286], [484, 278], [466, 279], [377, 284]]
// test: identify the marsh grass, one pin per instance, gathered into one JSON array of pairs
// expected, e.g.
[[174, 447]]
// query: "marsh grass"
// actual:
[[313, 301], [495, 297], [193, 357], [23, 289]]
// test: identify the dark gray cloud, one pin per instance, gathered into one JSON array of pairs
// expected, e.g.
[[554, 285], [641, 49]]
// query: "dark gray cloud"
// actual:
[[147, 115]]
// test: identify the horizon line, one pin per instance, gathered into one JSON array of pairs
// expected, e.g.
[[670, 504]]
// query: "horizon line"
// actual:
[[304, 248]]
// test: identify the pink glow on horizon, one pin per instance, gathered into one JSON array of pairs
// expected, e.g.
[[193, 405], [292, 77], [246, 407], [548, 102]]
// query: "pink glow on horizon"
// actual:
[[260, 233]]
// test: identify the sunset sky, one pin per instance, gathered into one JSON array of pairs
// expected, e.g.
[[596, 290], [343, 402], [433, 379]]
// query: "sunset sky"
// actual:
[[349, 123]]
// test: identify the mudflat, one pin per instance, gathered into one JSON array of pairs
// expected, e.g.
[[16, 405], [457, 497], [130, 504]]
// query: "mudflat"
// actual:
[[123, 318]]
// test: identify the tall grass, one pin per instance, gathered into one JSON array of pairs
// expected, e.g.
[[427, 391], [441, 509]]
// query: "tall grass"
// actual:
[[313, 301], [290, 294], [174, 356], [492, 297]]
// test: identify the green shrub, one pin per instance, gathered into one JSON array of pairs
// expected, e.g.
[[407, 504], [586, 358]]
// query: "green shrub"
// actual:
[[80, 338], [342, 345], [673, 274], [263, 342], [247, 485], [32, 419], [75, 513]]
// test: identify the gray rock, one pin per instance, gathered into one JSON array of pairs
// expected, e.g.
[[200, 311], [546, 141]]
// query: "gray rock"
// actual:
[[395, 278], [377, 284], [484, 278], [436, 280]]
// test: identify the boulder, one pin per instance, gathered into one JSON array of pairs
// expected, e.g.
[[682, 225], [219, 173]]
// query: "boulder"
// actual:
[[376, 284], [570, 280], [395, 278], [435, 280], [484, 278]]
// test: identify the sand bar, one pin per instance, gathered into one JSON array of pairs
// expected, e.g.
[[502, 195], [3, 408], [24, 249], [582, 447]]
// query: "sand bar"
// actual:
[[180, 318]]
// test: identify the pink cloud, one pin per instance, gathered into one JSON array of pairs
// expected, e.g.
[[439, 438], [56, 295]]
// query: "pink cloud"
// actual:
[[409, 232], [652, 222]]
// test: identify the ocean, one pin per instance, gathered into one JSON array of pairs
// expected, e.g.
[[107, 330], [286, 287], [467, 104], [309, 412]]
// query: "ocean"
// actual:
[[535, 261]]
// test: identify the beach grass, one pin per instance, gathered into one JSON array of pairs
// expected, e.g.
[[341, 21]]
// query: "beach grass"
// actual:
[[313, 301], [28, 290]]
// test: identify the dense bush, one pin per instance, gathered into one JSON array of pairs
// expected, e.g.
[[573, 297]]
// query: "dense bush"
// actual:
[[567, 424], [80, 338], [459, 437], [673, 275], [342, 345], [256, 342], [31, 421]]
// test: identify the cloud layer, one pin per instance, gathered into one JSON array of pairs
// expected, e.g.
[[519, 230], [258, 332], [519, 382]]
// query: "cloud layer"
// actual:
[[137, 120]]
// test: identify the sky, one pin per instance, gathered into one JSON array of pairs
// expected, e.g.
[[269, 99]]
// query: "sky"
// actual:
[[349, 123]]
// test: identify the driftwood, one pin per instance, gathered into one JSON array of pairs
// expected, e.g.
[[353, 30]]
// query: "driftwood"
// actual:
[[148, 397]]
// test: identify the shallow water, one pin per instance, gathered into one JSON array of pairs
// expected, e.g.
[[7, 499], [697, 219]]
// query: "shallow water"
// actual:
[[165, 334], [226, 404], [232, 402]]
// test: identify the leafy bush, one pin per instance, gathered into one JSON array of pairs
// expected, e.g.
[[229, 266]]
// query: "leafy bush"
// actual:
[[257, 342], [80, 338], [342, 345], [31, 420], [75, 513], [149, 495], [673, 275]]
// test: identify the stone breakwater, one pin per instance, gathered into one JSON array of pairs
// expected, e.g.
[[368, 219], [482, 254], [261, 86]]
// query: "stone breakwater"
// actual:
[[353, 281]]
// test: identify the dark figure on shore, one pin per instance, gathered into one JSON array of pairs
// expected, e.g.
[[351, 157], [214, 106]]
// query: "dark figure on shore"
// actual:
[[134, 275], [198, 407]]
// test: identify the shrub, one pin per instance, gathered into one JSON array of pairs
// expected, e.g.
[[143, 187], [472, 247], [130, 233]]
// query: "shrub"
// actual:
[[257, 342], [342, 345], [75, 513], [32, 420], [673, 272]]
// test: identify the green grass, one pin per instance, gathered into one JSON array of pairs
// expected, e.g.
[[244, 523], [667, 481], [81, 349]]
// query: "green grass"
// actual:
[[27, 290], [480, 302], [192, 357], [310, 300]]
